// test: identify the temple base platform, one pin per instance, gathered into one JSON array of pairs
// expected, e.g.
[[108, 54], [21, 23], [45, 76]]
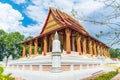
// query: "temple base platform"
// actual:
[[73, 67]]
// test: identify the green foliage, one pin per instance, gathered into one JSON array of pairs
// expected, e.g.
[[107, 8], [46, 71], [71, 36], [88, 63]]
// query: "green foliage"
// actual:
[[6, 77], [73, 12], [29, 37], [1, 70], [39, 50], [2, 44], [115, 53], [10, 44], [106, 76], [118, 57]]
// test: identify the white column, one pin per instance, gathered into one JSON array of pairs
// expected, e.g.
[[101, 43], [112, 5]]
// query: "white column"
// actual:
[[81, 66], [92, 65], [87, 66], [30, 67], [17, 67], [98, 65], [23, 67], [12, 66], [71, 67], [40, 67]]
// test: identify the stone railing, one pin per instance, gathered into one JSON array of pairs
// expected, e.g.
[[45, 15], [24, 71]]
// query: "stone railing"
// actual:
[[44, 64]]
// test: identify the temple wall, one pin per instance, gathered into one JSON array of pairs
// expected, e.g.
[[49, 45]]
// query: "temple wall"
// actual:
[[48, 67], [44, 64]]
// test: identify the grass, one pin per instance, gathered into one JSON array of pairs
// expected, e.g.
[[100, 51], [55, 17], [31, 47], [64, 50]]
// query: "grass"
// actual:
[[106, 76]]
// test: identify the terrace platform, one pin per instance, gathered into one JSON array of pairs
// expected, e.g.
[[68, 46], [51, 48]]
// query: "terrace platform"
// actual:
[[73, 67]]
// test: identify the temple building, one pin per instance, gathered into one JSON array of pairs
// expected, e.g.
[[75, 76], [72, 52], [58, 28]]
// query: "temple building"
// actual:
[[72, 35]]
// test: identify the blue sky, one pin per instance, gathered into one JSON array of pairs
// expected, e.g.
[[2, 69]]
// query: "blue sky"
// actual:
[[28, 16], [20, 7]]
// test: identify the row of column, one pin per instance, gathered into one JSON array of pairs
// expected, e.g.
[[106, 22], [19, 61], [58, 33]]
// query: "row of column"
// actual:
[[30, 48], [84, 45], [90, 46], [45, 46]]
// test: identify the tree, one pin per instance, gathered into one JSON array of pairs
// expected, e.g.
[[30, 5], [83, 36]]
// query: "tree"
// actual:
[[109, 19], [115, 53], [29, 37], [2, 45], [12, 44]]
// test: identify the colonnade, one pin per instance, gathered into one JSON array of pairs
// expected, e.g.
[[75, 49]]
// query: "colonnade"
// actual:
[[85, 45]]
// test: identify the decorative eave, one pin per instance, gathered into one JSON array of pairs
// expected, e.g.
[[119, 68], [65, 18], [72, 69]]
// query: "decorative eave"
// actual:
[[31, 39], [42, 35]]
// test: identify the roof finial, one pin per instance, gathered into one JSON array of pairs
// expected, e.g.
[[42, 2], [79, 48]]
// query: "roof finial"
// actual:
[[49, 5]]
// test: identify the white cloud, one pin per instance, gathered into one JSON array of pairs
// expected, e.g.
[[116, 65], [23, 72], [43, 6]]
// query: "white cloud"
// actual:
[[38, 11], [88, 7], [10, 18], [19, 1], [81, 6], [10, 21]]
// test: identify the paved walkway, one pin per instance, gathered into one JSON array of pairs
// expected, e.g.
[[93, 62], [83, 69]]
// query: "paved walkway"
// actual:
[[45, 75], [117, 77]]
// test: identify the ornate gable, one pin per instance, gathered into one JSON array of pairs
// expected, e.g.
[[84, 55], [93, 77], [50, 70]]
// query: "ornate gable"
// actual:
[[57, 19], [51, 24]]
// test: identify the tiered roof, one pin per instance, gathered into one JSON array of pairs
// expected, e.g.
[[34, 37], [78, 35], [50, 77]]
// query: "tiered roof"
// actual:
[[57, 20], [65, 20]]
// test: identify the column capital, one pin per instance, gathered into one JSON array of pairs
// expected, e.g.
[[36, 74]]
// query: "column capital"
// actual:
[[31, 42], [36, 39], [68, 31], [89, 39], [78, 35], [24, 44], [45, 37]]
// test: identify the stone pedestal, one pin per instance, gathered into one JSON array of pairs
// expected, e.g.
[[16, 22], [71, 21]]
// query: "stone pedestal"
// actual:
[[56, 55], [56, 62]]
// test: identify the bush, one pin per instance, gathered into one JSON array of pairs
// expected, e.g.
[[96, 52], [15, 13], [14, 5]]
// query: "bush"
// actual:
[[118, 57], [106, 76], [5, 77], [1, 70]]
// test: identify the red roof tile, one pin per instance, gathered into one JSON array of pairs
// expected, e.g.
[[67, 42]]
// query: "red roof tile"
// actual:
[[67, 21]]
